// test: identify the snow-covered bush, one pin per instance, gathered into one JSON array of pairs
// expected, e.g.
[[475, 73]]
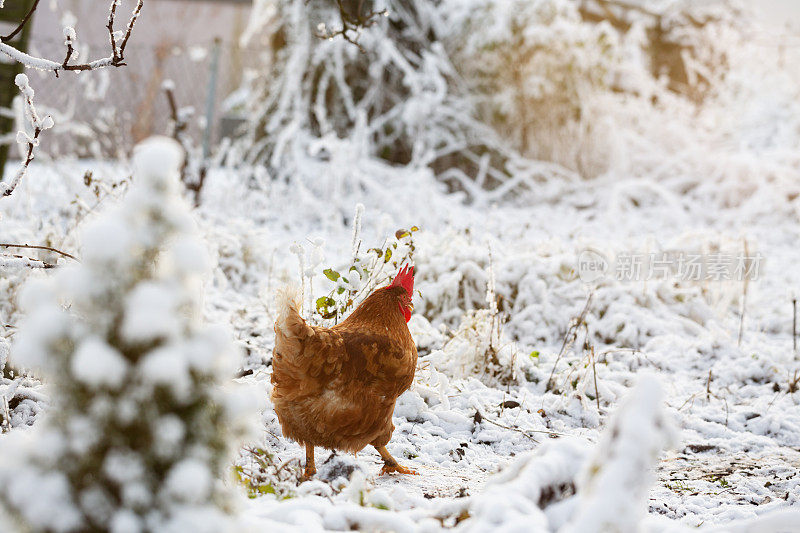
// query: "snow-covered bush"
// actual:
[[612, 489], [366, 271], [139, 433], [535, 68], [515, 498], [564, 486], [396, 97]]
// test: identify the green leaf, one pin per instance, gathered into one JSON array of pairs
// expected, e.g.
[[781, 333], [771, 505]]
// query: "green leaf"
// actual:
[[331, 274], [323, 303]]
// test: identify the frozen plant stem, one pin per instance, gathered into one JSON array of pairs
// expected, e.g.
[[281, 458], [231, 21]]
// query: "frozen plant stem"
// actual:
[[38, 124], [356, 244], [794, 326], [297, 250], [594, 372], [34, 247], [744, 294], [569, 338]]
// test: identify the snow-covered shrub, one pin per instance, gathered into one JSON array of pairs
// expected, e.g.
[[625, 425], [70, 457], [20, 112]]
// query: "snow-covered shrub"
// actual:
[[397, 98], [452, 277], [689, 43], [567, 487], [366, 271], [478, 348], [516, 497], [141, 425], [612, 489], [534, 67]]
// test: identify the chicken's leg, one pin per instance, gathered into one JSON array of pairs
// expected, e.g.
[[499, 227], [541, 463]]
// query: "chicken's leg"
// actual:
[[311, 468], [390, 465]]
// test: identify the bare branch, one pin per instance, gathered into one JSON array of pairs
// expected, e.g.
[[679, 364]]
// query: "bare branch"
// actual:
[[6, 38], [116, 59], [36, 247], [193, 176], [131, 22]]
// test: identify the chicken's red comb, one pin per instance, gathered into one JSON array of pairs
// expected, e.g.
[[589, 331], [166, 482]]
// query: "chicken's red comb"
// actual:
[[405, 279]]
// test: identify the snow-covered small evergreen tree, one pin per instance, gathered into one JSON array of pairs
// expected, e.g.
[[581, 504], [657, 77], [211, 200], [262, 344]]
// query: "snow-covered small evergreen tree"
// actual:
[[139, 433]]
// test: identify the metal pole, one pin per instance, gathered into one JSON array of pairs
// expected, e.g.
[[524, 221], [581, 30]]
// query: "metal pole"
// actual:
[[211, 97]]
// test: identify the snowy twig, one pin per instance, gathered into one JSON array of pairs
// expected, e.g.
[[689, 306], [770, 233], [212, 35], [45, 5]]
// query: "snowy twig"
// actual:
[[569, 338], [352, 24], [39, 125], [116, 59], [297, 250], [6, 38], [20, 261], [594, 372], [481, 417], [794, 326], [193, 176], [745, 283], [36, 247], [356, 242]]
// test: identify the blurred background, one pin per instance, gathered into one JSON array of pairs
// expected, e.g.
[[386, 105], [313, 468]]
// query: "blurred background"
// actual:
[[213, 50]]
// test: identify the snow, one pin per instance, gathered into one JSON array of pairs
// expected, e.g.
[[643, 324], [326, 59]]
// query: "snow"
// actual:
[[657, 417], [189, 481], [97, 364], [151, 312], [615, 481]]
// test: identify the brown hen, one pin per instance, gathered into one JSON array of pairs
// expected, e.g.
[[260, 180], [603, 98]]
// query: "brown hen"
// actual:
[[336, 387]]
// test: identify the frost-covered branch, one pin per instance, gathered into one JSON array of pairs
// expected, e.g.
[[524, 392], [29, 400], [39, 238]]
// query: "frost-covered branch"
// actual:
[[38, 124], [20, 261], [194, 169], [116, 59], [352, 23]]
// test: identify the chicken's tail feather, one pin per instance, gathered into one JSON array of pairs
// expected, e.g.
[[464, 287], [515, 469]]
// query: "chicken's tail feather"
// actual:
[[287, 304], [289, 324]]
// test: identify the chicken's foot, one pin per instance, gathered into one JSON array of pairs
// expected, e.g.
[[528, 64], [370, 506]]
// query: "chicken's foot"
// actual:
[[390, 464], [311, 468]]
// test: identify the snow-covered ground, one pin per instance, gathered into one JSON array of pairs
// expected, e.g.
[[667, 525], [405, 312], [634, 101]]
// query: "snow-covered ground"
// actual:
[[729, 416]]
